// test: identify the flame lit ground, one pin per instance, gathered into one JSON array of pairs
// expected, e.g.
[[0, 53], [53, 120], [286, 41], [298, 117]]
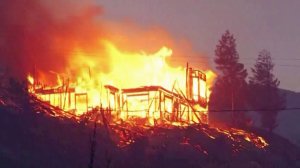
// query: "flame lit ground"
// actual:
[[128, 132], [38, 136], [193, 135]]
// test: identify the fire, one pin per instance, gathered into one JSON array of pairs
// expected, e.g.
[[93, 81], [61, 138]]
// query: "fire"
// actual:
[[234, 135], [128, 84], [84, 84], [127, 70], [82, 88], [132, 69], [30, 79]]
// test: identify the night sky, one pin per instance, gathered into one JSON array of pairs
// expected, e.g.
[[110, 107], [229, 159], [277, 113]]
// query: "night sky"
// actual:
[[272, 25]]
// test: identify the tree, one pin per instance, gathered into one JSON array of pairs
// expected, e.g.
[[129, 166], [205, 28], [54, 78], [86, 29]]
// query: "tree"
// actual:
[[230, 89], [266, 95]]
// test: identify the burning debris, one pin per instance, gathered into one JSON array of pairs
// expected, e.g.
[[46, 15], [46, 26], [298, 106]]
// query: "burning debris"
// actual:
[[138, 112], [130, 131], [166, 102], [87, 74], [139, 97], [239, 139], [132, 145], [135, 137]]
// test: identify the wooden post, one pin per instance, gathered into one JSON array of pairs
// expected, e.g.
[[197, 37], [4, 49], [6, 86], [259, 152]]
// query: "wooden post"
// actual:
[[87, 103], [54, 100], [60, 99], [75, 102], [188, 115], [159, 107], [186, 80], [148, 112], [69, 98], [127, 108], [155, 104], [198, 79], [117, 100], [65, 93], [164, 110]]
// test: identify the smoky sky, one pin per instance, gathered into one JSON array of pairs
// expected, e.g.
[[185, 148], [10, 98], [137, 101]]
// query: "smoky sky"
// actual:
[[256, 25], [44, 33]]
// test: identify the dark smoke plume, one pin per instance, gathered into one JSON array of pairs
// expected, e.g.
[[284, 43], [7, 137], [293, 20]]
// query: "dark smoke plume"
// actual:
[[44, 33]]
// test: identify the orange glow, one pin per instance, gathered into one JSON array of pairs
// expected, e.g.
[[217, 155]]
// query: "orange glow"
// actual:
[[82, 88], [127, 70], [233, 134], [210, 78], [30, 79], [88, 75]]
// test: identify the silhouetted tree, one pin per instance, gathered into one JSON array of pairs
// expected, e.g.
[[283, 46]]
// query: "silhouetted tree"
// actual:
[[264, 86], [229, 91]]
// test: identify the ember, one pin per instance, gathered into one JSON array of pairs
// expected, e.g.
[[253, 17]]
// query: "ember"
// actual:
[[168, 97], [167, 94]]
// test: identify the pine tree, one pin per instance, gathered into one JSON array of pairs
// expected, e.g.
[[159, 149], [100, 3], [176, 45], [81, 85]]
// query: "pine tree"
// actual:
[[230, 89], [266, 95]]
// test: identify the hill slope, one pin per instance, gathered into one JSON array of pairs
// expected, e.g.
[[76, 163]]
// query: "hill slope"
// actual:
[[30, 138]]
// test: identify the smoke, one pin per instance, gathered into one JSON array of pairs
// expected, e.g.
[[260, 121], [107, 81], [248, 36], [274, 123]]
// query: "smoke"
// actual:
[[44, 33]]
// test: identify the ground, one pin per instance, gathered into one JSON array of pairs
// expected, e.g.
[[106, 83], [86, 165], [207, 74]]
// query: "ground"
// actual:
[[33, 137]]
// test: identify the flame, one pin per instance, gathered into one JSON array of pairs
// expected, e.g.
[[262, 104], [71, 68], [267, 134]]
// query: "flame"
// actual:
[[240, 139], [89, 75], [234, 134], [210, 78], [132, 69], [129, 69], [30, 79]]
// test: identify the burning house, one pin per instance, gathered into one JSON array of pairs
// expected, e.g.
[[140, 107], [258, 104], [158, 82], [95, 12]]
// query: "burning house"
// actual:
[[154, 103], [115, 85], [166, 98], [160, 104]]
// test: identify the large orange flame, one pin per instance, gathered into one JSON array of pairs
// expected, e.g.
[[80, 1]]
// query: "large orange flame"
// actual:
[[127, 69]]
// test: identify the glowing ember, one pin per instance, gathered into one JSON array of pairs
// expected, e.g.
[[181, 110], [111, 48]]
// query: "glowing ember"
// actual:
[[139, 88], [237, 134], [85, 86]]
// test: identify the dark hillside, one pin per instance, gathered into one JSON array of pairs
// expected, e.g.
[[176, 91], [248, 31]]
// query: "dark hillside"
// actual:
[[34, 138]]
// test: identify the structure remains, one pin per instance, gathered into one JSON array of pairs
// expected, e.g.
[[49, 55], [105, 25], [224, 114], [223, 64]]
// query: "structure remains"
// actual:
[[156, 104]]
